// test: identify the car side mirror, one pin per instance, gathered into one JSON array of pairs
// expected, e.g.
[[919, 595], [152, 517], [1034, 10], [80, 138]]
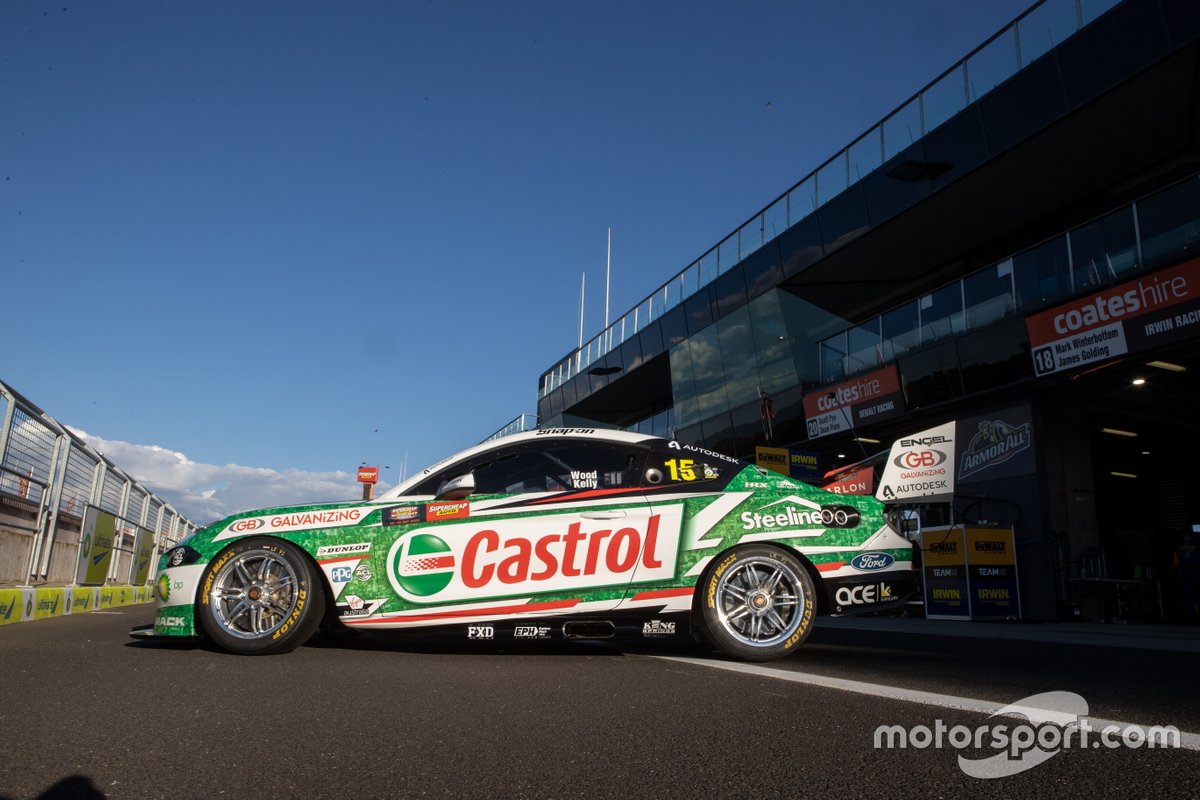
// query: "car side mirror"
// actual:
[[457, 488]]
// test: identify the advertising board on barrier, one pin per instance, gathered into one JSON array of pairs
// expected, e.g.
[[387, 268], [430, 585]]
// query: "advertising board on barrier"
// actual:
[[866, 398], [96, 543], [1149, 311]]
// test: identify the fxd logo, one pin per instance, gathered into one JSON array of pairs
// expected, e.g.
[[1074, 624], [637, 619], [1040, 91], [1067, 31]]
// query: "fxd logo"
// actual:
[[867, 562], [481, 632]]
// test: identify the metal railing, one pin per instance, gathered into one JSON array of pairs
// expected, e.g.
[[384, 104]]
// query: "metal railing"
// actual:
[[48, 479], [525, 422], [1041, 27]]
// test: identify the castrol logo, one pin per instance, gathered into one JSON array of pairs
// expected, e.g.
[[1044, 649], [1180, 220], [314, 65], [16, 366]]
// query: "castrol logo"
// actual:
[[520, 557]]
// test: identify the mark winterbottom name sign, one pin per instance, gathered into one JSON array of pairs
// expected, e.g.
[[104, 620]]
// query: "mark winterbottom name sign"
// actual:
[[1155, 309]]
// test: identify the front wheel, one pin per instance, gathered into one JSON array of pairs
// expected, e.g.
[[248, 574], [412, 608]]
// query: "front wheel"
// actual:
[[757, 603], [260, 596]]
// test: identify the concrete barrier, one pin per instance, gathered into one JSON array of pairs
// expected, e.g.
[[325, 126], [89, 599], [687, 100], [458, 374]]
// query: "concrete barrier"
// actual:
[[24, 604]]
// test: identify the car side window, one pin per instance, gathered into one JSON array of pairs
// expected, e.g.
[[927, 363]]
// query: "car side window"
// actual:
[[558, 467], [686, 464]]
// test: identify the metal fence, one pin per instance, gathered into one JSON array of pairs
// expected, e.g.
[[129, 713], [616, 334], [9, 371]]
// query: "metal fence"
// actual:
[[48, 479]]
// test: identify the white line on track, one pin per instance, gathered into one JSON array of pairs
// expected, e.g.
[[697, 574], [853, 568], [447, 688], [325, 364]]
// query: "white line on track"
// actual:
[[1187, 740]]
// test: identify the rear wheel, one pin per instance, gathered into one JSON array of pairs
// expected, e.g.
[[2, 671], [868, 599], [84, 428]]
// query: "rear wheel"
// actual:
[[260, 596], [757, 603]]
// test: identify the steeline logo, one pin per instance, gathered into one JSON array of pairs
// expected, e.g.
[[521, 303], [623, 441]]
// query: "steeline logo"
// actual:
[[423, 565], [809, 515]]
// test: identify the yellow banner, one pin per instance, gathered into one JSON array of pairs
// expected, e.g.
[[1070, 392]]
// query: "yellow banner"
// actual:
[[48, 603], [96, 546], [772, 458], [990, 547], [942, 548]]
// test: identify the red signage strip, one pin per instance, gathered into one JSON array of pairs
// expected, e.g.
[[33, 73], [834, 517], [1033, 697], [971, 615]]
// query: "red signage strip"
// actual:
[[850, 404], [1154, 309]]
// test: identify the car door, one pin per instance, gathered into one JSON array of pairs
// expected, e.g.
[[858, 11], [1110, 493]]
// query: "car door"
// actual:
[[554, 526]]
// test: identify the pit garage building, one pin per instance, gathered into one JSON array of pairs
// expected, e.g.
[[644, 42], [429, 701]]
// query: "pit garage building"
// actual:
[[1017, 247]]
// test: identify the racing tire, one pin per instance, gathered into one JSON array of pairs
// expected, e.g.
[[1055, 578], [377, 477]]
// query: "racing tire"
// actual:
[[260, 596], [757, 603]]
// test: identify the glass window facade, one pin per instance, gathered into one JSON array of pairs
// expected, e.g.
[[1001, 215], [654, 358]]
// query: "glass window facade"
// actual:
[[1154, 231], [1043, 274], [1170, 223], [988, 294], [941, 313], [901, 330], [1103, 250], [993, 63], [864, 348]]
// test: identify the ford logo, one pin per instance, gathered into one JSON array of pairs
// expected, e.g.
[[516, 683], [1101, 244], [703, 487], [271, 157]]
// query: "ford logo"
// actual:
[[867, 562]]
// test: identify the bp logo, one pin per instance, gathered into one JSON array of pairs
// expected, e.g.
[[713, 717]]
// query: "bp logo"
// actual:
[[421, 565], [163, 587]]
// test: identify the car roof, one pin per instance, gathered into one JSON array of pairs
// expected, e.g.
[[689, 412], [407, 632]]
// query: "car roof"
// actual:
[[542, 434]]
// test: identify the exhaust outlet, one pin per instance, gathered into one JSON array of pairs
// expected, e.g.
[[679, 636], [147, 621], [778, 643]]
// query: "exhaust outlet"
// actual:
[[589, 629]]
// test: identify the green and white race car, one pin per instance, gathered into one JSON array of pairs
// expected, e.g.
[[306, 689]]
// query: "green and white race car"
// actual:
[[569, 533]]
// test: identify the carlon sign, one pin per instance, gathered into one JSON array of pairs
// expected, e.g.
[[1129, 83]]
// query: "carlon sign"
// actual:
[[867, 398], [860, 482], [518, 557], [1152, 310]]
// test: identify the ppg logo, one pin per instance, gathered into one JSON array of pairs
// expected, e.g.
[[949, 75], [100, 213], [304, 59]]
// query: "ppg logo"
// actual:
[[341, 574]]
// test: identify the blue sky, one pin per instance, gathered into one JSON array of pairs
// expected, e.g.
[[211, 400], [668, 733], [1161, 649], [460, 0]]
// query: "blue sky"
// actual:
[[293, 237]]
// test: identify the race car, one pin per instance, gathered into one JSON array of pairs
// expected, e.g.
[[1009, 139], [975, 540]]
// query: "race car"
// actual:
[[565, 533]]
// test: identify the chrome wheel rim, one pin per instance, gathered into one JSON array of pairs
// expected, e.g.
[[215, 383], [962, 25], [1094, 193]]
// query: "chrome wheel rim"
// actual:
[[760, 601], [253, 594]]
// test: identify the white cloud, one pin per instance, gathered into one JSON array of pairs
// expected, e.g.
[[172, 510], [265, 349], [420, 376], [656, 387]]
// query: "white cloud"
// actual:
[[205, 493]]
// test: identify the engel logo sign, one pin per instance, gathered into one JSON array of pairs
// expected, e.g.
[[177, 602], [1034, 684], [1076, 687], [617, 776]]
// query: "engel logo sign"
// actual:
[[477, 560]]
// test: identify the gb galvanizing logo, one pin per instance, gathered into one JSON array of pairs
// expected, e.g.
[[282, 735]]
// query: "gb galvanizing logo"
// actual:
[[810, 515], [467, 561]]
